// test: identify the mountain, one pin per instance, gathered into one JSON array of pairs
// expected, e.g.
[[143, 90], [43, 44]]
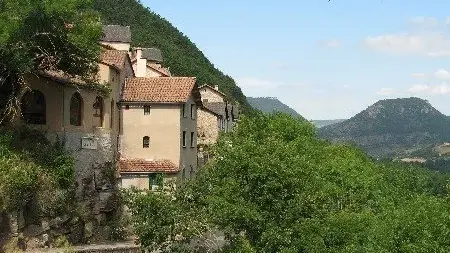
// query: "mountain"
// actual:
[[392, 127], [321, 123], [270, 104], [180, 54]]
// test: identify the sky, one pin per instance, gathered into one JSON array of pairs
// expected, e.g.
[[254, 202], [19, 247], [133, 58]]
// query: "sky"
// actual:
[[326, 60]]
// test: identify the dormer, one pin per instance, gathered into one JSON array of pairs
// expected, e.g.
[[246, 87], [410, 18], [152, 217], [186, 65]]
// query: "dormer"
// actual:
[[117, 37]]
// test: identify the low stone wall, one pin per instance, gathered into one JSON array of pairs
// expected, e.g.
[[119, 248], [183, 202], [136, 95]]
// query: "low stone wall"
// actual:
[[127, 247]]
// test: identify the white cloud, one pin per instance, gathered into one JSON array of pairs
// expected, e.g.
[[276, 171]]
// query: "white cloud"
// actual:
[[442, 89], [386, 91], [442, 74], [331, 43], [418, 75], [447, 21], [424, 21], [430, 43]]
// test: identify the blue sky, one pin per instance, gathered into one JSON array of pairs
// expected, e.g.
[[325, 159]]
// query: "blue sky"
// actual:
[[324, 59]]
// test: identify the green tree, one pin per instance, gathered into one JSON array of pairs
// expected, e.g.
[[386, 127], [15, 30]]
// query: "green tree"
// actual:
[[273, 186], [38, 35]]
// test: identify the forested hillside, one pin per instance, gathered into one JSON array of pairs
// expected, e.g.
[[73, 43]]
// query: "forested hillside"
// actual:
[[269, 105], [393, 127], [180, 54]]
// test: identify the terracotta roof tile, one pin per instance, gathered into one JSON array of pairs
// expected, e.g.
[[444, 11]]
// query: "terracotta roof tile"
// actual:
[[159, 89], [114, 58], [141, 165], [62, 77]]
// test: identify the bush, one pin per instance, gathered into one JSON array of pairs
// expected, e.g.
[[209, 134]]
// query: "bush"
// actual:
[[31, 168]]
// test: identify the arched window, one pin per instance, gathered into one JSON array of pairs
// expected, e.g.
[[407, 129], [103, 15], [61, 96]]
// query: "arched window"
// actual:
[[33, 107], [76, 109], [146, 142], [98, 110]]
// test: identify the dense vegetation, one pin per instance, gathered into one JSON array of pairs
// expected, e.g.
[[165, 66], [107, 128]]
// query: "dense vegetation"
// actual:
[[275, 187], [34, 175], [392, 127], [180, 54], [34, 37], [270, 105]]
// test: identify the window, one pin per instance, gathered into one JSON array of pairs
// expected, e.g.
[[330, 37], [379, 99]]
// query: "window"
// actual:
[[98, 109], [184, 139], [146, 109], [192, 140], [33, 107], [205, 100], [183, 110], [76, 109], [192, 111], [146, 142], [154, 181]]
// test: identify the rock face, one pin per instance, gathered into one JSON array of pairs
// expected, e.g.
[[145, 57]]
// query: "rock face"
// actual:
[[97, 211], [391, 127]]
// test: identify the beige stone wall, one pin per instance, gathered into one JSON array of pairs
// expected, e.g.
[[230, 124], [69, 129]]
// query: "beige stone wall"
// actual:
[[162, 125], [117, 45], [188, 157], [207, 128], [141, 180], [210, 95], [57, 97]]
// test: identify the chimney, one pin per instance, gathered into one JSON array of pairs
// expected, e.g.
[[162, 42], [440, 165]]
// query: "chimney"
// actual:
[[141, 63], [216, 87]]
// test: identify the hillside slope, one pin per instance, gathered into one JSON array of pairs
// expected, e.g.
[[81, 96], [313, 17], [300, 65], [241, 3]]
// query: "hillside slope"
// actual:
[[392, 127], [269, 105], [180, 54]]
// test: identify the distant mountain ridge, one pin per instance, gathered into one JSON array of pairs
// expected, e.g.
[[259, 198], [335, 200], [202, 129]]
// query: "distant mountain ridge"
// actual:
[[392, 127], [271, 104], [325, 122]]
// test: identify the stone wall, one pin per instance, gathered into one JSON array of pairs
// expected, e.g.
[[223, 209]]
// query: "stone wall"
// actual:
[[207, 128]]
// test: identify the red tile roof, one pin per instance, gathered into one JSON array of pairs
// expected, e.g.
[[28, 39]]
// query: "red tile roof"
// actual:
[[159, 89], [62, 77], [157, 67], [113, 58], [141, 166]]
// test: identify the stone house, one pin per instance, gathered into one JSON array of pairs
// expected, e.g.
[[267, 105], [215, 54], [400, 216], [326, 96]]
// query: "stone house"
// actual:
[[147, 121], [216, 115], [80, 115], [150, 61], [159, 130]]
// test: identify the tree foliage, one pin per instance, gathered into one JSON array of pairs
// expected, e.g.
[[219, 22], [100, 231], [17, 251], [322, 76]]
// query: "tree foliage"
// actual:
[[33, 170], [275, 187], [38, 35]]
